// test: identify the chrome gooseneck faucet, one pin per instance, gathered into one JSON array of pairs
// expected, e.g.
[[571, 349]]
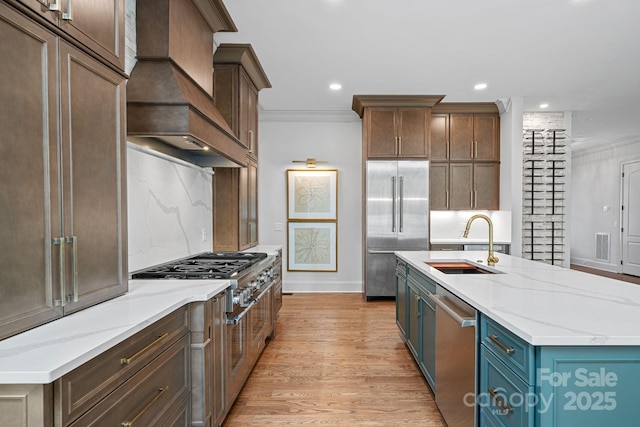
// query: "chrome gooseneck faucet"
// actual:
[[492, 259]]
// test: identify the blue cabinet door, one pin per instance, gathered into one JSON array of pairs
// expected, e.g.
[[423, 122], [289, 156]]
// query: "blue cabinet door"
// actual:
[[588, 386]]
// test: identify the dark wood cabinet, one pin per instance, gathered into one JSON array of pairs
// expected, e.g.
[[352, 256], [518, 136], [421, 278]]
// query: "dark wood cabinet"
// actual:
[[63, 203], [464, 151], [98, 25], [235, 208], [464, 186], [465, 137], [238, 77], [396, 132]]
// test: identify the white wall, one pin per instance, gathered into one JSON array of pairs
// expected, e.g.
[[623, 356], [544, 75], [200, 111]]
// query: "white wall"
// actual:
[[338, 142], [169, 208], [596, 200]]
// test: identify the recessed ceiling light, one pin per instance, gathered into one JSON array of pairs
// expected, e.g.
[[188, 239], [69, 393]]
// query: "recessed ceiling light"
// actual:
[[335, 86], [480, 86], [544, 105]]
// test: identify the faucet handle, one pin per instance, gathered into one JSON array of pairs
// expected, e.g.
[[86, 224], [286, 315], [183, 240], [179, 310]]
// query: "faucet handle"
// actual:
[[492, 260]]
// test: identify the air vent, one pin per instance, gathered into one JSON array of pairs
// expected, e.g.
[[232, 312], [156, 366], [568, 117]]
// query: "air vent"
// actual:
[[603, 245]]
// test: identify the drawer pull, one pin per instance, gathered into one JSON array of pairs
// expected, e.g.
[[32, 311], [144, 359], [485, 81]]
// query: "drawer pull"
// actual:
[[506, 408], [508, 350], [146, 408], [128, 360]]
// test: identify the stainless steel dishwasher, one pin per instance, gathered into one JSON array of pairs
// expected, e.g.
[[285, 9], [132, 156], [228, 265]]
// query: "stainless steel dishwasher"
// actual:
[[455, 358]]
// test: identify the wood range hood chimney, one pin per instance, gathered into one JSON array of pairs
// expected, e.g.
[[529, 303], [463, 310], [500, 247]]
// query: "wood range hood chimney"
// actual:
[[170, 105]]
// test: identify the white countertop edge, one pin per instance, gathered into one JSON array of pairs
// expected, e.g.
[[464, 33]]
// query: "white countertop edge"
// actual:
[[534, 329], [71, 341]]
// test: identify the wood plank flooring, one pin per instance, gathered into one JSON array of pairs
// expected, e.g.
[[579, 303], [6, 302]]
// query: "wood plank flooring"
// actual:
[[336, 361], [619, 276]]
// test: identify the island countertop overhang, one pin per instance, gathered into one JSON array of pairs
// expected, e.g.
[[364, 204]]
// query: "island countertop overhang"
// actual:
[[541, 303]]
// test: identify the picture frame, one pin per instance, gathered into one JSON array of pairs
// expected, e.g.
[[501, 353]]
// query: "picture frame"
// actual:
[[312, 195], [312, 246]]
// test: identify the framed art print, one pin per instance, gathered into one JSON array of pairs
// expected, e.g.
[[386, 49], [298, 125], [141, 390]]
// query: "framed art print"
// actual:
[[312, 246], [312, 195]]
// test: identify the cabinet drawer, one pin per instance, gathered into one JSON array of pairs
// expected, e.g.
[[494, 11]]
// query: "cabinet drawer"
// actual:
[[512, 350], [503, 396], [148, 398], [85, 386], [422, 281]]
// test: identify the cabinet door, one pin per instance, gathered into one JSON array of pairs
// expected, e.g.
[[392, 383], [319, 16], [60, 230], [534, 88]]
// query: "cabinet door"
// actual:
[[93, 144], [218, 385], [381, 132], [401, 303], [243, 199], [439, 186], [98, 24], [486, 181], [414, 321], [428, 353], [439, 137], [412, 132], [486, 133], [29, 208], [252, 194], [461, 136], [460, 186], [250, 133]]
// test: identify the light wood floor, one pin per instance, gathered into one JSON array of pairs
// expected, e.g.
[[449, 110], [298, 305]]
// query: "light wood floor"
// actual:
[[619, 276], [336, 361]]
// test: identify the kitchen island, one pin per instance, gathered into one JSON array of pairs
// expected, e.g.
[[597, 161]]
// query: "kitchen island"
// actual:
[[554, 347]]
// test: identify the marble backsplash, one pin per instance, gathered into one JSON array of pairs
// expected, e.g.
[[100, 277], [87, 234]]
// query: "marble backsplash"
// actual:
[[169, 206]]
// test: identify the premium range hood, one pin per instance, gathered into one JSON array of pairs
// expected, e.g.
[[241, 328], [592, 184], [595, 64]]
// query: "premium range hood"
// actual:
[[170, 107]]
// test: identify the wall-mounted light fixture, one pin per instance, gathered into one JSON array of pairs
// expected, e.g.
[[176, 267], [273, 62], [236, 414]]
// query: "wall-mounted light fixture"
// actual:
[[310, 162]]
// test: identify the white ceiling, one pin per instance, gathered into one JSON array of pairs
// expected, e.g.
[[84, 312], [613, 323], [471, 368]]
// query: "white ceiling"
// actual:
[[581, 56]]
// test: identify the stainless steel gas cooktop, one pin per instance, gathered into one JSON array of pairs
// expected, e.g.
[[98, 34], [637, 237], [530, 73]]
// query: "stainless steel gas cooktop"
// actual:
[[208, 265]]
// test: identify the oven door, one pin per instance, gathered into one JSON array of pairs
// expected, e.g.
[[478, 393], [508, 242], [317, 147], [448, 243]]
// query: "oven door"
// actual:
[[260, 324], [237, 355]]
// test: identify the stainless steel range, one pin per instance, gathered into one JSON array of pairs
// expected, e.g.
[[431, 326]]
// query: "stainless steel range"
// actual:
[[250, 274], [248, 304]]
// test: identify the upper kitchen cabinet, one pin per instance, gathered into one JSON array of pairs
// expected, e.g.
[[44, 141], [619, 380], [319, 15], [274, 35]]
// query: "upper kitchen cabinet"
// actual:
[[465, 132], [464, 186], [395, 126], [97, 24], [238, 77], [62, 165]]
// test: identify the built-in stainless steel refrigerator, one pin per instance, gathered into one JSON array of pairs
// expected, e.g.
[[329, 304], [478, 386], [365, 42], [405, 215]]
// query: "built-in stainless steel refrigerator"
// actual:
[[397, 219]]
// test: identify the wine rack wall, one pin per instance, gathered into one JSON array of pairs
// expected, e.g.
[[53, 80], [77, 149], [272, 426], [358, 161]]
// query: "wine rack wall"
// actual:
[[543, 195]]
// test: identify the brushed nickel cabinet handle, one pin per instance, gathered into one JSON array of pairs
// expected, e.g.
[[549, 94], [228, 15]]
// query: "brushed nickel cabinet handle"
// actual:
[[399, 145], [146, 408], [250, 141], [508, 350], [475, 153], [506, 408], [54, 5], [396, 147], [128, 360], [447, 201], [58, 241], [74, 266], [68, 15]]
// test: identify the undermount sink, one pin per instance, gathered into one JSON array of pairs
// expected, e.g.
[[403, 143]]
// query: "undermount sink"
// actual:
[[458, 267]]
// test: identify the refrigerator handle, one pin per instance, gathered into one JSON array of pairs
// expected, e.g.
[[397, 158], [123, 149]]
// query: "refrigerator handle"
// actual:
[[401, 188], [393, 204]]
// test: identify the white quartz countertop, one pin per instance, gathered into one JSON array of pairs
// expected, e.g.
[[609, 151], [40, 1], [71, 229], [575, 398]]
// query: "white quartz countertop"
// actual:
[[44, 354], [541, 303]]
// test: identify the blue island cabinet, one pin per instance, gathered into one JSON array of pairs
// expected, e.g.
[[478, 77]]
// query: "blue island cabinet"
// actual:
[[521, 385]]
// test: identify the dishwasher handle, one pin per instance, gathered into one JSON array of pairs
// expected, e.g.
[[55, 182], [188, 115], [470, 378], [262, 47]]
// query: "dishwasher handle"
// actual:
[[463, 321]]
